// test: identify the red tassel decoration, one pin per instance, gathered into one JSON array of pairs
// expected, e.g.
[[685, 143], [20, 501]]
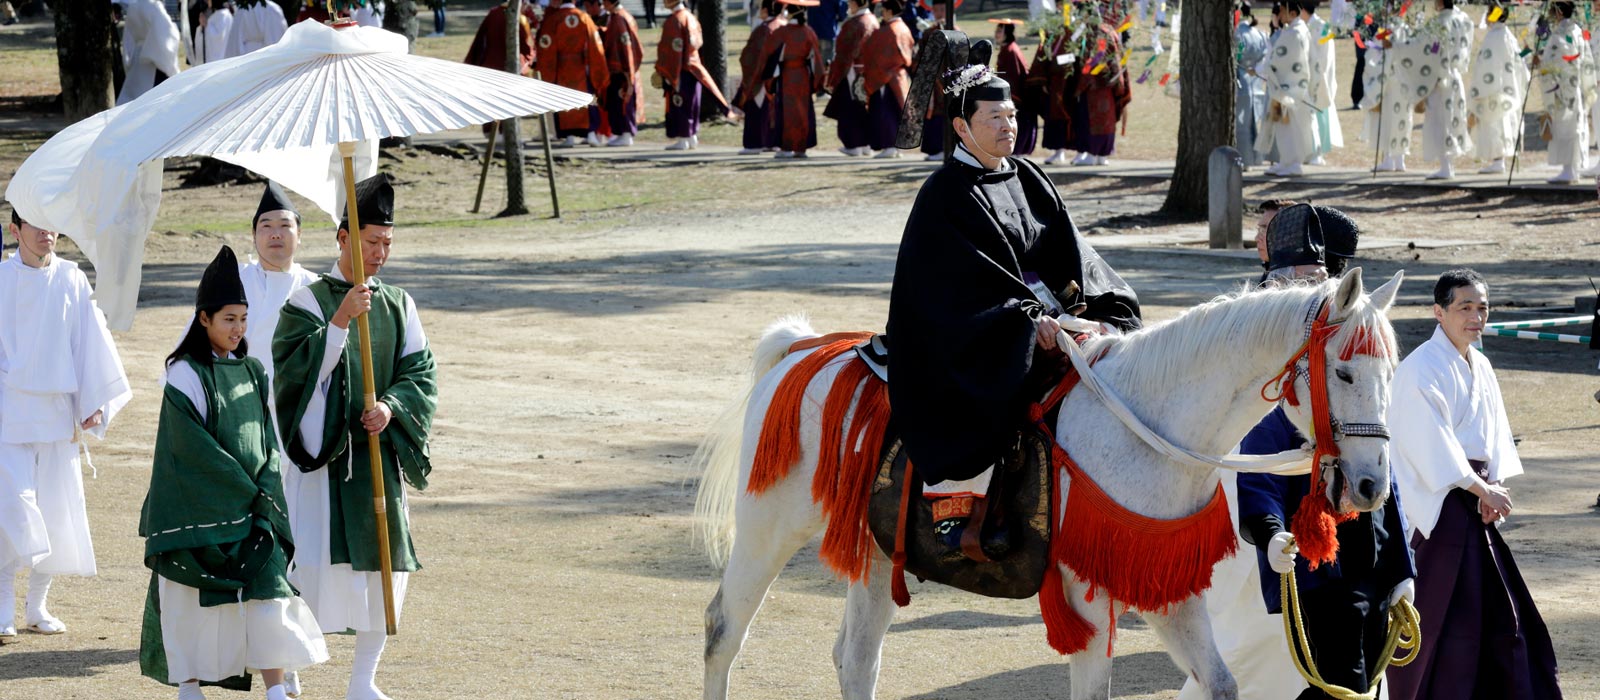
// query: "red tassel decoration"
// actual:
[[779, 447]]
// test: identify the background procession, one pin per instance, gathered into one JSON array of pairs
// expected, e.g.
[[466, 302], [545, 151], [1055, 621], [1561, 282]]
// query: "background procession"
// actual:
[[391, 387]]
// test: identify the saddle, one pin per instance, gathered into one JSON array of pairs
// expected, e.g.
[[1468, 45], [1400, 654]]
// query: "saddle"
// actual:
[[1020, 498]]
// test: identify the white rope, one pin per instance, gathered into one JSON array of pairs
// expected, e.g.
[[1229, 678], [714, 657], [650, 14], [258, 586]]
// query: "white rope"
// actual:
[[1290, 463]]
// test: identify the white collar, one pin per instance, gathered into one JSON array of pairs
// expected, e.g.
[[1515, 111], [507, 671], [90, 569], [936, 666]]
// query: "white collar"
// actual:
[[1441, 343], [681, 7], [962, 154], [862, 11]]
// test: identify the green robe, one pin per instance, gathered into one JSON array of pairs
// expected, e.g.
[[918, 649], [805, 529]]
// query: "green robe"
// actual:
[[406, 383], [215, 517]]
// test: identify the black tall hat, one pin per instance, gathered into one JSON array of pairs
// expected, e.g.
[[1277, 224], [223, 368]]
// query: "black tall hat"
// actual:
[[274, 198], [220, 285], [1295, 238], [974, 81], [374, 202], [1340, 233]]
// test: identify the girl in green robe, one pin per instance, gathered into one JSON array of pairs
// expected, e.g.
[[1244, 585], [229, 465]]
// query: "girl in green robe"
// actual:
[[216, 531]]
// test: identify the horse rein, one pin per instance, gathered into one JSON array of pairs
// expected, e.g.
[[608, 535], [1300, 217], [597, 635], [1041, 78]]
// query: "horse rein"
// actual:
[[1311, 360]]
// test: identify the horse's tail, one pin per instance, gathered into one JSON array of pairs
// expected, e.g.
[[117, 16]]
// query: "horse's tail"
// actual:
[[719, 453]]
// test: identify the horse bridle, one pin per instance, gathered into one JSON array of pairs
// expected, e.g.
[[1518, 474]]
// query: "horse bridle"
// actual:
[[1311, 360]]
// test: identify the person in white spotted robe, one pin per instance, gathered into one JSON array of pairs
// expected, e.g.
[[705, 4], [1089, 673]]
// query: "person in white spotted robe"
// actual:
[[1289, 120], [1495, 91], [1444, 131], [1566, 76], [1410, 75], [1324, 80]]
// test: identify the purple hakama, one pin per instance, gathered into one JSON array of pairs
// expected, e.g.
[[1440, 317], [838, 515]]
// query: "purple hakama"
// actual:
[[621, 114], [851, 116], [883, 115], [683, 108], [1057, 135]]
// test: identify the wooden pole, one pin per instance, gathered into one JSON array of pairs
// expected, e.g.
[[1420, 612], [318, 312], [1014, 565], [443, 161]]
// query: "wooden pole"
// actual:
[[380, 507], [549, 162], [488, 157]]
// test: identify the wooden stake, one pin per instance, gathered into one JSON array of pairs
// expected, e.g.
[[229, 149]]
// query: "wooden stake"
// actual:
[[488, 157], [380, 507]]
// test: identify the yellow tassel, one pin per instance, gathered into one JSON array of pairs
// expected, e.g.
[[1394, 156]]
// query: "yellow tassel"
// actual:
[[1494, 15], [1098, 69], [1124, 26]]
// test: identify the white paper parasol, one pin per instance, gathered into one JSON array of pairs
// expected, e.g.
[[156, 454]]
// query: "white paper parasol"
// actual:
[[280, 111]]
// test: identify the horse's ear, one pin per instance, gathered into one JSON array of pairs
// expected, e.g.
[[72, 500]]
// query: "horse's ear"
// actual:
[[1345, 297], [1383, 297]]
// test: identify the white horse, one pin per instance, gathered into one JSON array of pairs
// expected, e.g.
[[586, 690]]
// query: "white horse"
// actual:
[[1195, 380]]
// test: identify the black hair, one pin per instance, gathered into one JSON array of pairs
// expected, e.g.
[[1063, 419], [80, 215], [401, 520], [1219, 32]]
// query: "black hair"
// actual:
[[1275, 204], [1447, 4], [1444, 290], [1503, 14], [296, 214], [15, 217], [1009, 31], [771, 6], [894, 6], [798, 14], [1565, 7], [196, 345]]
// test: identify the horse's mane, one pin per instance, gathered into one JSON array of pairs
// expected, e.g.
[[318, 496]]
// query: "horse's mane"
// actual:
[[1246, 318]]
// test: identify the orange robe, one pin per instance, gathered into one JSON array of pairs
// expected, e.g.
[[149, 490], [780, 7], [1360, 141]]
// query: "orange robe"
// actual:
[[488, 47], [887, 57], [570, 56], [679, 51], [793, 48], [847, 49], [750, 77], [624, 53]]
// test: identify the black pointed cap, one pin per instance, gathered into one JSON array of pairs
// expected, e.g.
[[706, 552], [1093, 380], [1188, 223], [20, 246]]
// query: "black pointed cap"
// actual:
[[274, 198], [374, 202], [1295, 238], [220, 285], [1339, 232]]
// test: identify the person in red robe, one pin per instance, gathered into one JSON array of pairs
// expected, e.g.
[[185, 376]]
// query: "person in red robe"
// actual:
[[886, 59], [752, 98], [488, 48], [1055, 79], [570, 56], [845, 106], [1102, 95], [624, 55], [680, 73], [794, 56], [1012, 66]]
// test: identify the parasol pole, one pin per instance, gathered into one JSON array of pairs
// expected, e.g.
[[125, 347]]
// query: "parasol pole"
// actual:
[[358, 269], [488, 157]]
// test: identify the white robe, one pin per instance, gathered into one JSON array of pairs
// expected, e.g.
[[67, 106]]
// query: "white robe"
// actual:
[[58, 366], [1444, 131], [1445, 411], [1288, 79], [1569, 92], [222, 641], [1411, 73], [256, 27], [267, 292], [149, 43], [341, 597], [1324, 84], [212, 44], [1250, 641], [1371, 91], [1498, 82]]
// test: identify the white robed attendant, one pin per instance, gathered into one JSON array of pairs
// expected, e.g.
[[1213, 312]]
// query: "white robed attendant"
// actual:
[[1449, 410], [1289, 122], [1372, 69], [211, 43], [1444, 130], [1498, 81], [1569, 93], [59, 370], [255, 27], [1411, 72], [1249, 639], [1250, 92], [149, 45], [1324, 81]]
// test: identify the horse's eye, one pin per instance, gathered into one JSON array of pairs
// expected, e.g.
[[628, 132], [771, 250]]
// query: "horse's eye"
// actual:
[[1344, 376]]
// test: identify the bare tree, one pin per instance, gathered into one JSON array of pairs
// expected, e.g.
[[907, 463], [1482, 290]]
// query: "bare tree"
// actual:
[[713, 16], [516, 200], [85, 56], [1206, 118]]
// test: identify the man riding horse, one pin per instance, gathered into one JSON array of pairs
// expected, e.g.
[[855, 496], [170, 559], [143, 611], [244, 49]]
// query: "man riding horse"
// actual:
[[990, 267]]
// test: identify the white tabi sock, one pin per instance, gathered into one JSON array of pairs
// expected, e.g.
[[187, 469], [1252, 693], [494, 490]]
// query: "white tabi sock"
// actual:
[[364, 668], [277, 692], [38, 615], [190, 691], [8, 599]]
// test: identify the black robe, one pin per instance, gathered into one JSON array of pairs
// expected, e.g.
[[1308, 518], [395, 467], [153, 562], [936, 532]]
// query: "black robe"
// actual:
[[962, 321]]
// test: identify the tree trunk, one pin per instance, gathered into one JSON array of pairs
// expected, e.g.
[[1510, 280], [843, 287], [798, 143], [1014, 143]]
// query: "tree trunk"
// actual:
[[1206, 118], [85, 54], [516, 200], [713, 16], [400, 17]]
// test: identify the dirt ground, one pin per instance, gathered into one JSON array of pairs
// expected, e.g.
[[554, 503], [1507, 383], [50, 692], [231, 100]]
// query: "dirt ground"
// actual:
[[580, 361]]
